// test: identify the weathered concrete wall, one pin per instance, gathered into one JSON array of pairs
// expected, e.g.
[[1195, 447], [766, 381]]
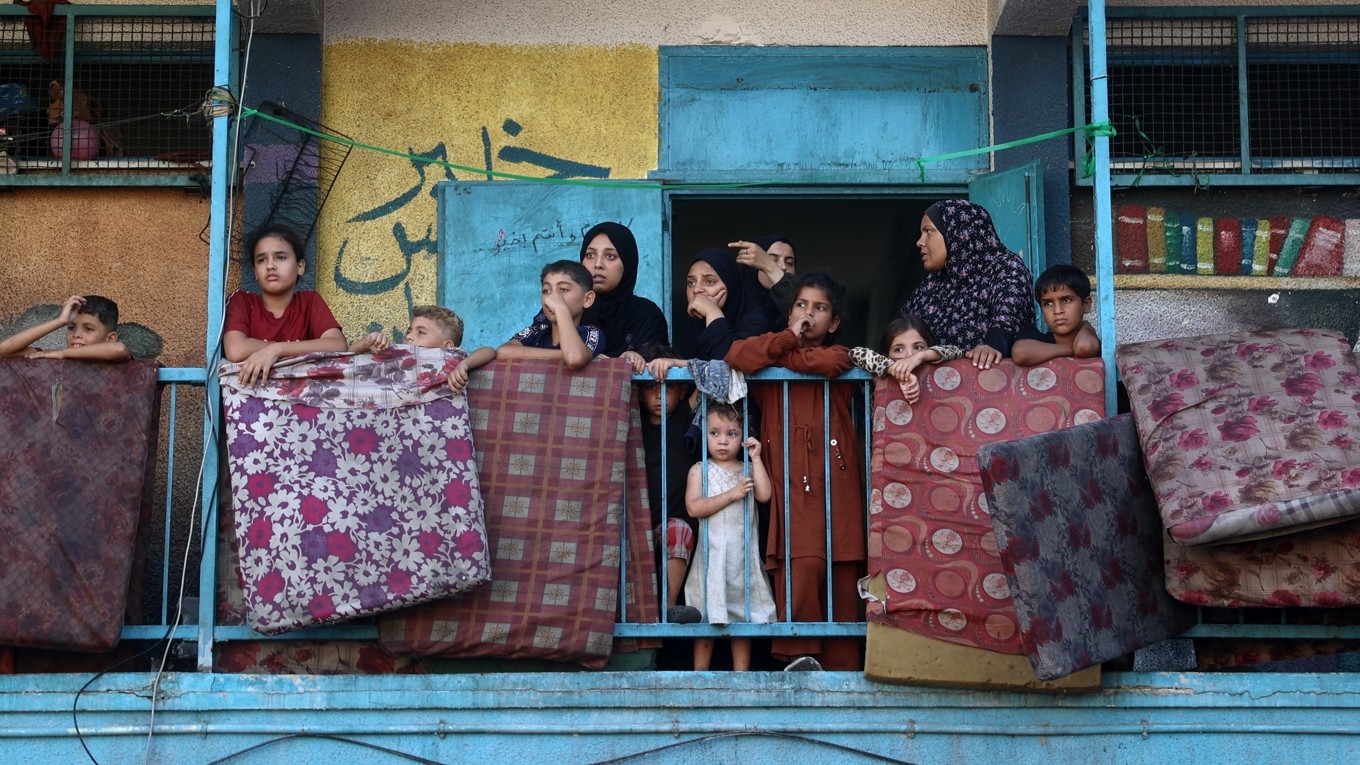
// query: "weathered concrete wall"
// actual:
[[61, 242], [658, 22]]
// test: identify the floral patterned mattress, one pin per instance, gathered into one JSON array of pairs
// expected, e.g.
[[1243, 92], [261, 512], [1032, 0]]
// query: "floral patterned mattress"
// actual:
[[1081, 541], [930, 528], [354, 487], [78, 462], [1317, 568], [564, 478], [1248, 435]]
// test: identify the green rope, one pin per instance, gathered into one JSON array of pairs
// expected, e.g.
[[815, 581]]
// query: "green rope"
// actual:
[[1093, 130], [1089, 131]]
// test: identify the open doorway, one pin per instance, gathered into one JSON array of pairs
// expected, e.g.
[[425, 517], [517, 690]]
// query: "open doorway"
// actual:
[[867, 243]]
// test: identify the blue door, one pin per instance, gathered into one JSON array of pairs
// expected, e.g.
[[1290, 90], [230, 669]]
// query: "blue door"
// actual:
[[494, 236], [1015, 198]]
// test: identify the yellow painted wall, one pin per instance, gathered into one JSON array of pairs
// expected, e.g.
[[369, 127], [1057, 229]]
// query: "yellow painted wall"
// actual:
[[589, 104]]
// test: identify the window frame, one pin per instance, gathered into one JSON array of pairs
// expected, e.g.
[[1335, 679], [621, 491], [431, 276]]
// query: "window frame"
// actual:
[[1126, 174], [188, 174]]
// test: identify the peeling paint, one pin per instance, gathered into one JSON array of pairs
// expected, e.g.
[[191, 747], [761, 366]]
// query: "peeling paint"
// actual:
[[545, 111]]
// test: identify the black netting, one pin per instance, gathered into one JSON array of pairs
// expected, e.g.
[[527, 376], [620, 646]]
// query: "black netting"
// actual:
[[1304, 80], [1179, 96]]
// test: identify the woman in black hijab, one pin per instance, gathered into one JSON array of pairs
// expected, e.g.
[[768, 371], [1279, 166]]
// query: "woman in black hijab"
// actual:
[[628, 321], [722, 309]]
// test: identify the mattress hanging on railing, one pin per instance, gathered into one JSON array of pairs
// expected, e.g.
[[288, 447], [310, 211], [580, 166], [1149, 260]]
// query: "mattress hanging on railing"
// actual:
[[557, 452], [76, 470], [354, 486]]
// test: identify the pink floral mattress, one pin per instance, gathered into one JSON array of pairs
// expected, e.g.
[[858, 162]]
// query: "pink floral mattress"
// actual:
[[556, 451], [1248, 435], [930, 532], [76, 463], [354, 487]]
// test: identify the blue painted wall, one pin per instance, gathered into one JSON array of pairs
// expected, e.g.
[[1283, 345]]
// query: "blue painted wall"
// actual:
[[820, 114], [679, 717], [1031, 95]]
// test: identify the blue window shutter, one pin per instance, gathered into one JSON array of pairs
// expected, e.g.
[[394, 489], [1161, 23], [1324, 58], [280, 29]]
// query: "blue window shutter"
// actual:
[[1015, 198]]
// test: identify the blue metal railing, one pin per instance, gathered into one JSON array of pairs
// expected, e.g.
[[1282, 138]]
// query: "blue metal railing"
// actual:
[[785, 625], [171, 464], [179, 509], [626, 627]]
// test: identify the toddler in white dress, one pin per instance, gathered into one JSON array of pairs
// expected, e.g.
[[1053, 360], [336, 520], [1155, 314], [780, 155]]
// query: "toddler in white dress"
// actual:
[[727, 565]]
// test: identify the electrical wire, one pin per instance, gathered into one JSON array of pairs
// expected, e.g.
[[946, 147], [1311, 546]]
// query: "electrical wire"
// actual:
[[184, 573], [752, 734], [75, 722], [325, 737], [199, 108], [614, 761]]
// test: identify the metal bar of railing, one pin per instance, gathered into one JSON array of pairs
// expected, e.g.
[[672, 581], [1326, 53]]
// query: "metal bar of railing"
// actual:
[[623, 546], [169, 505], [748, 506], [785, 625], [787, 568], [827, 442], [664, 570], [224, 71], [171, 378]]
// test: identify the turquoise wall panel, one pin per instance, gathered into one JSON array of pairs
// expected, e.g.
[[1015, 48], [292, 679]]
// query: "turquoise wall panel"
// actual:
[[494, 236], [678, 717], [820, 114]]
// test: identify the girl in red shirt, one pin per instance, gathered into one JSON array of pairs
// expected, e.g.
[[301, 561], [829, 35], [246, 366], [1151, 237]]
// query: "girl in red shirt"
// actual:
[[280, 321]]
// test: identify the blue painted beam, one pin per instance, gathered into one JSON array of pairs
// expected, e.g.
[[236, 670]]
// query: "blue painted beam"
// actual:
[[1103, 232], [219, 239], [680, 717], [182, 375]]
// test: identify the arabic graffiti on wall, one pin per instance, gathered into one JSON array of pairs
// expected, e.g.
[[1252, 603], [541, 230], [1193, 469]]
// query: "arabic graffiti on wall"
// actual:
[[534, 111]]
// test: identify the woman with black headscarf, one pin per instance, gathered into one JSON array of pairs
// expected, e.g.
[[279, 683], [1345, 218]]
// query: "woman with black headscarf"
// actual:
[[722, 309], [628, 321], [773, 258], [976, 293]]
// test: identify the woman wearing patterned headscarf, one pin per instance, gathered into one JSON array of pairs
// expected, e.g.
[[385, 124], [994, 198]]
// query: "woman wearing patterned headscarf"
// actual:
[[976, 293], [610, 253]]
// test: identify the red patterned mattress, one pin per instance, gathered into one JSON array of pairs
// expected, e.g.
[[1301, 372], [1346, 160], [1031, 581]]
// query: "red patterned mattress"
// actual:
[[930, 531], [75, 483], [354, 487], [1319, 567], [554, 450]]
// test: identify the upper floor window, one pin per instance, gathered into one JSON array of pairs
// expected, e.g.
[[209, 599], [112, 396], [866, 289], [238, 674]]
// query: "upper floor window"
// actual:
[[124, 83], [1231, 96]]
